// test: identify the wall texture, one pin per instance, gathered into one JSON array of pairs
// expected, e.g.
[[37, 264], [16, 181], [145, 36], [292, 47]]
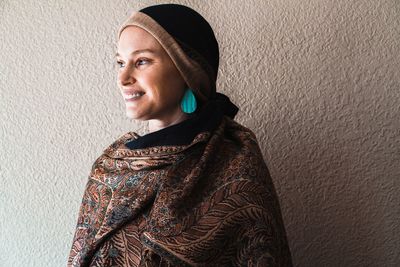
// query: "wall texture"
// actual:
[[318, 81]]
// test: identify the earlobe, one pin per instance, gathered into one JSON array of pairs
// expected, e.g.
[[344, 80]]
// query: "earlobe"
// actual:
[[188, 102]]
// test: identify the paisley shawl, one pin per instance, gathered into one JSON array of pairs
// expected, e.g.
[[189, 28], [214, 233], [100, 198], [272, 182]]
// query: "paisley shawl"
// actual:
[[210, 202]]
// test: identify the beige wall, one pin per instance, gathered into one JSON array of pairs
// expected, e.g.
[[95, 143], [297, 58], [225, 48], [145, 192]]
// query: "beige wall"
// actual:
[[317, 80]]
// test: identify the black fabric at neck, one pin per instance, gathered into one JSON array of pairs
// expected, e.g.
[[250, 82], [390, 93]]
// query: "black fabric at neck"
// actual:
[[182, 133]]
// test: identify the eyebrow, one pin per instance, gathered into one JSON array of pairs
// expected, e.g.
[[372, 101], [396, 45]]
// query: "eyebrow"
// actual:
[[139, 52]]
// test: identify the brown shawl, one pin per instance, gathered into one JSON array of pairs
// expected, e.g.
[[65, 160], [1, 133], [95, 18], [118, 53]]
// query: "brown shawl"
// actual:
[[207, 203]]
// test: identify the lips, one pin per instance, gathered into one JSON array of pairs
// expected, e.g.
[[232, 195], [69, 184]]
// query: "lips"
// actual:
[[132, 95]]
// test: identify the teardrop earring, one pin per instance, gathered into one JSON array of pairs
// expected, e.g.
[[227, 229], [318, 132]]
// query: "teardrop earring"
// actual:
[[188, 102]]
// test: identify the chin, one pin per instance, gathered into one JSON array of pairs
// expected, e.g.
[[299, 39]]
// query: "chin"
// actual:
[[134, 116], [131, 115]]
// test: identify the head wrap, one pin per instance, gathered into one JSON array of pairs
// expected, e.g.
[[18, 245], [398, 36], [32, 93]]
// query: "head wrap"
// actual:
[[189, 41]]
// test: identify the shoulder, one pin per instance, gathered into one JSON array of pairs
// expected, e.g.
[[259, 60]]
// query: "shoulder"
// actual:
[[238, 153], [240, 134]]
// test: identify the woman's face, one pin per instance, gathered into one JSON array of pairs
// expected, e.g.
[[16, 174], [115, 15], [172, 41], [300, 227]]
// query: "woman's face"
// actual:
[[148, 79]]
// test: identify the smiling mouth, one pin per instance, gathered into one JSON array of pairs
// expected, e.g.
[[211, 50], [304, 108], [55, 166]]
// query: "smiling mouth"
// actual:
[[132, 97]]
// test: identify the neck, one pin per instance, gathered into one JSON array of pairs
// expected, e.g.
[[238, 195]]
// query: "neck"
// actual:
[[156, 125]]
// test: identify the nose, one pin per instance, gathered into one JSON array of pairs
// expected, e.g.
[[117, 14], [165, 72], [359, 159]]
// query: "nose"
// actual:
[[126, 77]]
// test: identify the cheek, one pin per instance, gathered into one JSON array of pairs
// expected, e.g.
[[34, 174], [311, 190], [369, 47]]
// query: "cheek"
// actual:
[[176, 83], [153, 86], [164, 84], [167, 87], [174, 90]]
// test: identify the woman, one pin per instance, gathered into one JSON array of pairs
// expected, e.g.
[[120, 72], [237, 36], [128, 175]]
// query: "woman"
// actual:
[[195, 191]]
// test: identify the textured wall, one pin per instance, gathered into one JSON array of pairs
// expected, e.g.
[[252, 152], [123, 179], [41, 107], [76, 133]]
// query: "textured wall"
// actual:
[[317, 80]]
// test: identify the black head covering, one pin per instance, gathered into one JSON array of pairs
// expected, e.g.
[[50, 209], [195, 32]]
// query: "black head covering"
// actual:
[[189, 29]]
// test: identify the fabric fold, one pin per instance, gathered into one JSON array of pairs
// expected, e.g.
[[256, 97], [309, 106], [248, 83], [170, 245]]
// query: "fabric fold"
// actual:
[[207, 203]]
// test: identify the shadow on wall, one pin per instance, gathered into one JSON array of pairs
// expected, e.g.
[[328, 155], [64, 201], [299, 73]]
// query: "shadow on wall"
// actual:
[[325, 111], [335, 194]]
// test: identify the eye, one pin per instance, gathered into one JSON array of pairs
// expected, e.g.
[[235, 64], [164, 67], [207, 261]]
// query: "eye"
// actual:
[[141, 62], [120, 64]]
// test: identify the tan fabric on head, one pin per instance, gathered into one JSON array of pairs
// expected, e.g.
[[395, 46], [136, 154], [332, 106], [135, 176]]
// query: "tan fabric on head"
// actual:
[[198, 79]]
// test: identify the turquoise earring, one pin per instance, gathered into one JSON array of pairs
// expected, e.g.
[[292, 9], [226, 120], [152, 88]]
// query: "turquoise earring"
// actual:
[[188, 102]]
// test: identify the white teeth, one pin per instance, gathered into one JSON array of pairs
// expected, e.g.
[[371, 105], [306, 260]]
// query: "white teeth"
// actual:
[[133, 96]]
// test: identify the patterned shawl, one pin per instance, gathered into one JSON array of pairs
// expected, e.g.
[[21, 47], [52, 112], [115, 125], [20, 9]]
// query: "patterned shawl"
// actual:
[[210, 202]]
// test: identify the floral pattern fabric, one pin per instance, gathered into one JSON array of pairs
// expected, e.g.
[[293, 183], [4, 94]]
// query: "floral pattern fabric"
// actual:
[[209, 203]]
